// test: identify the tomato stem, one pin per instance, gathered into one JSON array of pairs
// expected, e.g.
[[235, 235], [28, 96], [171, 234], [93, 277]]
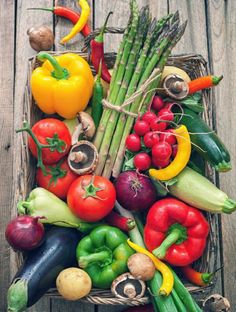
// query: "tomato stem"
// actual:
[[91, 190]]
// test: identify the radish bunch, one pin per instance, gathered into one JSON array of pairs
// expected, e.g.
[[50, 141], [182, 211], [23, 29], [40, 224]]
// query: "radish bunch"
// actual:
[[152, 135]]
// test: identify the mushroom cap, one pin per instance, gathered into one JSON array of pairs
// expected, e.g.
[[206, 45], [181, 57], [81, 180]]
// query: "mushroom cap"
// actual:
[[175, 87], [126, 286], [83, 157]]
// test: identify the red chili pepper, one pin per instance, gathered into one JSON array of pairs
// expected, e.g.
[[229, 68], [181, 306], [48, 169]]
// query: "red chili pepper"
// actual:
[[67, 13], [175, 232], [122, 223], [97, 52], [203, 83], [195, 277]]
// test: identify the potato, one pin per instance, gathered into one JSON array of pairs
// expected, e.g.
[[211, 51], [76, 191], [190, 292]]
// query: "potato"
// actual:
[[73, 283], [141, 266]]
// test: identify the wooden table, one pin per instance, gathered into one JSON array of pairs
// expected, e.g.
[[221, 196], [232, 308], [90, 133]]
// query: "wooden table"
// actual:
[[211, 31]]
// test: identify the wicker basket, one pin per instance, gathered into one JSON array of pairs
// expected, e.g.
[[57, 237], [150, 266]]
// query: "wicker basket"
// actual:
[[195, 66]]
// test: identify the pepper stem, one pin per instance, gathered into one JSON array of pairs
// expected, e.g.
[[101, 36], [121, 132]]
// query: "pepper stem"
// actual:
[[42, 9], [101, 256], [207, 277], [99, 38], [176, 234], [59, 72], [216, 79]]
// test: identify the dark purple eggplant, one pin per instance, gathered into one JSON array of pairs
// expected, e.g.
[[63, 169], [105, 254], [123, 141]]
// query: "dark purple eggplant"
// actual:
[[41, 268]]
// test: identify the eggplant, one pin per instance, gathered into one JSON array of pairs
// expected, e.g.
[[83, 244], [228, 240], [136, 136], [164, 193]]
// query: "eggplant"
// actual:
[[41, 267]]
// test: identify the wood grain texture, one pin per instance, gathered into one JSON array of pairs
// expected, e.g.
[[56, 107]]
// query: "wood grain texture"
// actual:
[[63, 27], [6, 143], [24, 20], [222, 21], [194, 39]]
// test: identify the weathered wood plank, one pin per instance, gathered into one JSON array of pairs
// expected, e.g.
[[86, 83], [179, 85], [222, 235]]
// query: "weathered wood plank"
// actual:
[[63, 27], [6, 143], [222, 20], [194, 39], [25, 19]]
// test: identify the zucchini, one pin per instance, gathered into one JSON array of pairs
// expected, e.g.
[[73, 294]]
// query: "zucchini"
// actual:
[[211, 148], [41, 268], [199, 192]]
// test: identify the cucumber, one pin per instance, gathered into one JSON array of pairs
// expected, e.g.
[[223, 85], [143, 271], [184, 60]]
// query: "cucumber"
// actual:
[[211, 148], [199, 192]]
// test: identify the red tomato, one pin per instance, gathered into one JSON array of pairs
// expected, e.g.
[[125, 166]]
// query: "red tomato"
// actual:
[[59, 181], [91, 198], [51, 130]]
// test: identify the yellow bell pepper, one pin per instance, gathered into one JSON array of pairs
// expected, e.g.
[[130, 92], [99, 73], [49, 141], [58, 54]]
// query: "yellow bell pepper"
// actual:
[[62, 85], [181, 159]]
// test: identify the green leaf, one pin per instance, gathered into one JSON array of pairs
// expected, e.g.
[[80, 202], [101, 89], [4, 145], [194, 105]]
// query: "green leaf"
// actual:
[[128, 165], [193, 102], [171, 181]]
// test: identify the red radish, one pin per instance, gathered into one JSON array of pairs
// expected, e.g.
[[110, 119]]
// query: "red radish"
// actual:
[[158, 125], [149, 117], [24, 233], [141, 127], [174, 150], [162, 150], [161, 163], [168, 137], [142, 161], [135, 191], [166, 114], [157, 103], [150, 139], [133, 142], [168, 105]]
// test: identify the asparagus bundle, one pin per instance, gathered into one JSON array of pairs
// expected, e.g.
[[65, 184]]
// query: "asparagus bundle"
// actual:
[[142, 54]]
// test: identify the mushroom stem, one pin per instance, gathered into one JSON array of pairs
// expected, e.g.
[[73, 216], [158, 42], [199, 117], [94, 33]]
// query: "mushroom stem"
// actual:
[[130, 291], [78, 157]]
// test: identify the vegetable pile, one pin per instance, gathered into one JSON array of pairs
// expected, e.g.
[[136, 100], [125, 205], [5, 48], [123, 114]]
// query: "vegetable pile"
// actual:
[[121, 193]]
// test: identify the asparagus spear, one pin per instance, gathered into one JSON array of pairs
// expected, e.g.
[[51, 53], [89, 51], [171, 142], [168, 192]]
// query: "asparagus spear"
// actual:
[[120, 72], [129, 123], [129, 70]]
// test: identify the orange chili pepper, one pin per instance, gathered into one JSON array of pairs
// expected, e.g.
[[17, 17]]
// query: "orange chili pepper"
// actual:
[[203, 83], [195, 277]]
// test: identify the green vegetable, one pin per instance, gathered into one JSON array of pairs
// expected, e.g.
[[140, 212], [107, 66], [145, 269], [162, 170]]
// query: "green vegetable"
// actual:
[[199, 192], [97, 107], [45, 204], [178, 303], [103, 254], [207, 143], [184, 295]]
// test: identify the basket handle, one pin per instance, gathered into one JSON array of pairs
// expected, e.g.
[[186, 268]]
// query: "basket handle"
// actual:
[[92, 35]]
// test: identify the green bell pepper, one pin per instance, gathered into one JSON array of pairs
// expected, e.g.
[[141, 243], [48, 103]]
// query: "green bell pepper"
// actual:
[[103, 254]]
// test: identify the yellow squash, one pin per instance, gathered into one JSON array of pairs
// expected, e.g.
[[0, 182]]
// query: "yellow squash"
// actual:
[[62, 85]]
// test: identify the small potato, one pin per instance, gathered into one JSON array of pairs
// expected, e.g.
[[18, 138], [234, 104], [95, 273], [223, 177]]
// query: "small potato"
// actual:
[[141, 266], [73, 283]]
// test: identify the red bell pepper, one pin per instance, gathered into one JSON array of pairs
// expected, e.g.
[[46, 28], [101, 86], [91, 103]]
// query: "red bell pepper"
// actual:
[[175, 232]]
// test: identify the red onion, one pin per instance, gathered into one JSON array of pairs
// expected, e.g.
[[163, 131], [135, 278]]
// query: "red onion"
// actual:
[[24, 233], [135, 191]]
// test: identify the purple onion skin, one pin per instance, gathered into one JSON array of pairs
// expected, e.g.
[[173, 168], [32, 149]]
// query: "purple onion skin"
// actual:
[[24, 233], [135, 191]]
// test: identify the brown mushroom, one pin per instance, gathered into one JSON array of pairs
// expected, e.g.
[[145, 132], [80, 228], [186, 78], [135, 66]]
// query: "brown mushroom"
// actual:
[[216, 303], [175, 87], [85, 126], [126, 286], [41, 38], [83, 158]]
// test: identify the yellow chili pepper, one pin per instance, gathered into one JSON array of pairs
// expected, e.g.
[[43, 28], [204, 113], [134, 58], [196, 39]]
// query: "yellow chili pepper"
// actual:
[[85, 11], [168, 278], [181, 159], [62, 85]]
